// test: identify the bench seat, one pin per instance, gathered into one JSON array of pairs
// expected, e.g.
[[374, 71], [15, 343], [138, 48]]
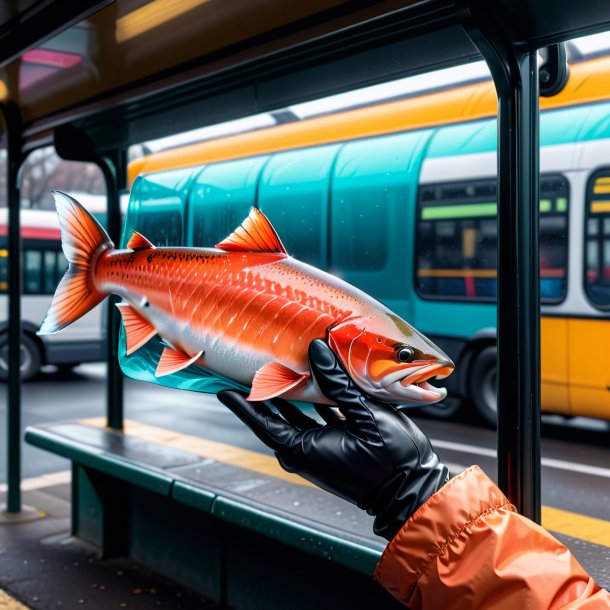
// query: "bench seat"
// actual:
[[222, 529]]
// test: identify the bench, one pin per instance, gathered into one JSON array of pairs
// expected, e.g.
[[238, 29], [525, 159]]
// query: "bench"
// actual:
[[246, 539]]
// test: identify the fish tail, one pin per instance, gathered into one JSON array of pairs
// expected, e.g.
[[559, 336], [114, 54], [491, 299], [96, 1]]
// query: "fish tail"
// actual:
[[82, 240]]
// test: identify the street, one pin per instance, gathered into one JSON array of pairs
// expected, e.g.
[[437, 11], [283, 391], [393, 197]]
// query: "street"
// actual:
[[575, 455]]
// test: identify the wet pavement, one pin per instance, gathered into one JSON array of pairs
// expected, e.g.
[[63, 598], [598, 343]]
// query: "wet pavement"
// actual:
[[44, 567]]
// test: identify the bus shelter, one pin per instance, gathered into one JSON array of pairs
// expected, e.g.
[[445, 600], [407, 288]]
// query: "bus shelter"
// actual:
[[206, 70]]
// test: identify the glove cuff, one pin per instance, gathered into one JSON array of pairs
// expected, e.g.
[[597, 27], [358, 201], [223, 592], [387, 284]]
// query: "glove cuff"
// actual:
[[399, 497]]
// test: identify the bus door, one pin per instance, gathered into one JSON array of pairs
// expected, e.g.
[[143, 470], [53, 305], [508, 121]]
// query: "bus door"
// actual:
[[554, 327], [589, 336]]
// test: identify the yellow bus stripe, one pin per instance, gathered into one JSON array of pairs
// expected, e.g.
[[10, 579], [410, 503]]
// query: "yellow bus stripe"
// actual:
[[587, 84], [555, 519], [600, 206], [605, 180], [602, 189], [586, 528]]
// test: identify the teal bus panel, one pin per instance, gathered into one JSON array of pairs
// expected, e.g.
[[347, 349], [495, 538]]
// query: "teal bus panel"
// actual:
[[221, 197], [294, 194], [374, 189], [156, 207]]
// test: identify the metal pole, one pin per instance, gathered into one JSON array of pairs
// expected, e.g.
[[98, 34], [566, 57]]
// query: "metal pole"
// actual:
[[112, 168], [72, 143], [515, 74], [519, 290], [13, 136]]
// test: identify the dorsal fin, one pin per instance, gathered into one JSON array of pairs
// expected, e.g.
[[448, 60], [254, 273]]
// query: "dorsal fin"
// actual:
[[137, 241], [255, 234]]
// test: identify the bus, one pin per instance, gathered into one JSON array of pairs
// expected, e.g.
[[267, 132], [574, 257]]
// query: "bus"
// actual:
[[43, 267], [399, 199]]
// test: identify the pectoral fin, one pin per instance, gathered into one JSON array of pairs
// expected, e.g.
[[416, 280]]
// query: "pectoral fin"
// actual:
[[138, 331], [173, 361], [275, 379]]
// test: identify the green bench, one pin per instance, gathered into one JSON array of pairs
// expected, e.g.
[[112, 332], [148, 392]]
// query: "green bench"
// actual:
[[243, 539]]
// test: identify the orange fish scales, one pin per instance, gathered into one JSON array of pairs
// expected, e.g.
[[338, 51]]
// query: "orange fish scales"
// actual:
[[235, 319]]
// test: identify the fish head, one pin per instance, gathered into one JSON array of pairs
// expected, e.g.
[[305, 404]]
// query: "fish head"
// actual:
[[390, 360]]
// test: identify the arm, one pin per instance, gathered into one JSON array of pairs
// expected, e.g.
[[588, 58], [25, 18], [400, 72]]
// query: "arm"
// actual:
[[453, 545], [466, 547]]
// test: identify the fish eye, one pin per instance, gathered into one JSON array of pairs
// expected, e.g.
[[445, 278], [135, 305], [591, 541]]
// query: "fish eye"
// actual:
[[405, 354], [379, 339]]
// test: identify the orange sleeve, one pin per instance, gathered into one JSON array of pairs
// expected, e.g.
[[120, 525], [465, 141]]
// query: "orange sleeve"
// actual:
[[467, 547]]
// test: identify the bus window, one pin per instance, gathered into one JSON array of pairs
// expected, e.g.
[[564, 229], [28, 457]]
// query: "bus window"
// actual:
[[554, 198], [50, 272], [457, 240], [32, 272], [597, 240]]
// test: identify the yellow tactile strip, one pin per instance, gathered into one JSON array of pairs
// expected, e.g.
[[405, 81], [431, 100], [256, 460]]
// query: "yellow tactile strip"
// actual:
[[8, 603], [578, 526], [212, 450], [565, 522]]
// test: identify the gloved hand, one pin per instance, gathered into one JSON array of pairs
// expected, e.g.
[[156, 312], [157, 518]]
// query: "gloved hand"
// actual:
[[374, 456]]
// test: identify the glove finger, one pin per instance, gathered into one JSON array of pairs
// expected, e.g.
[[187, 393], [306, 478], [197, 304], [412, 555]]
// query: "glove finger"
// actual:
[[331, 415], [270, 428], [293, 415], [339, 387], [330, 375]]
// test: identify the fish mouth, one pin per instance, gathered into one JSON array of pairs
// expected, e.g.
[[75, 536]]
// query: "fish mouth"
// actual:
[[412, 385]]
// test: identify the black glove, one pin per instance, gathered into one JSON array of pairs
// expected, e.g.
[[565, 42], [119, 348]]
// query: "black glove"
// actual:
[[375, 457]]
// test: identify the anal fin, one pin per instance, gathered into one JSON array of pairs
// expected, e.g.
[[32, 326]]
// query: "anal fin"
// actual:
[[274, 379], [138, 330], [172, 361]]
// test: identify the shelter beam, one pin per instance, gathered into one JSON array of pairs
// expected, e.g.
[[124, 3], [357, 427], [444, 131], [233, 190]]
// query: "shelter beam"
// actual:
[[515, 74]]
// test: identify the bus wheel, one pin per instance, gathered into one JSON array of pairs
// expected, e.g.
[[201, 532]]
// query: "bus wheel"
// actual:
[[30, 358], [483, 385]]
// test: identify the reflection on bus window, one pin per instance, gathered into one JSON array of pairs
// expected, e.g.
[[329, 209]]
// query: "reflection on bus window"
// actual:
[[221, 198], [457, 242], [294, 193], [162, 229], [355, 245], [597, 249]]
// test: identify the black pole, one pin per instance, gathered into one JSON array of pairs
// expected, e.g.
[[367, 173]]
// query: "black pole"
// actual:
[[13, 137], [73, 144], [112, 167], [515, 74]]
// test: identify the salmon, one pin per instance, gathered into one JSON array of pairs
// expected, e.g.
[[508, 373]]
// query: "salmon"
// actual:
[[244, 309]]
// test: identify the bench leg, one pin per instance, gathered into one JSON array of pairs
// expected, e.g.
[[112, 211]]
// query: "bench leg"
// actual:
[[99, 511]]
